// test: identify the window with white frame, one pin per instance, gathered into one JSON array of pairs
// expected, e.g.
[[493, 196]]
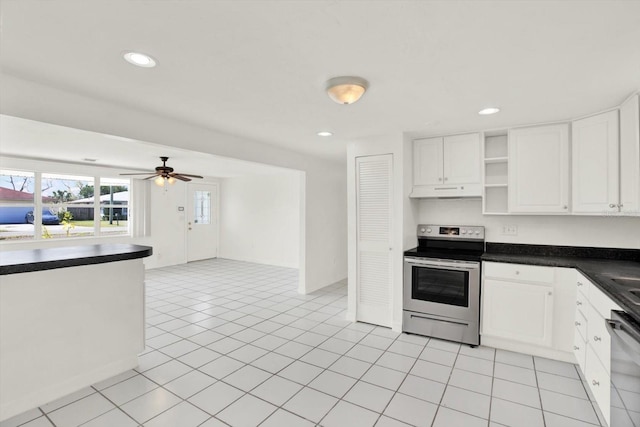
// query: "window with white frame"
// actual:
[[38, 205]]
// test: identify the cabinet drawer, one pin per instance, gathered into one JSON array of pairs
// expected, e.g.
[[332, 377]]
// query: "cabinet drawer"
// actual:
[[527, 273], [580, 350], [581, 324], [599, 382], [601, 303], [582, 304], [582, 285], [598, 338]]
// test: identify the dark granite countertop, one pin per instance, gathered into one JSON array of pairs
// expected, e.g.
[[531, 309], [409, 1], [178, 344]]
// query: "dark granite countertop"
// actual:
[[596, 264], [26, 261]]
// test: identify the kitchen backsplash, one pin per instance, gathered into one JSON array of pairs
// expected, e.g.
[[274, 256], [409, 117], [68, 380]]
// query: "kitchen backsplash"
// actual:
[[570, 230]]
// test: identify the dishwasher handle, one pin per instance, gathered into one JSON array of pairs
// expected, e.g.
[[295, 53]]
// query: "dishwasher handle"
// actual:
[[626, 337]]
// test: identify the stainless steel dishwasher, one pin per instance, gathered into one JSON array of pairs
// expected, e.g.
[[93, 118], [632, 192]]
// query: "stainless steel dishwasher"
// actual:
[[625, 369]]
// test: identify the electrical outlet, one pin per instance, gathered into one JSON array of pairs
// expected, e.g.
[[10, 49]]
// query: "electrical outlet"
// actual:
[[510, 230]]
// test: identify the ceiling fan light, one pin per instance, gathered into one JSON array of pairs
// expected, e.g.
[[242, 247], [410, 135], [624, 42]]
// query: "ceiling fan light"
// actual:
[[347, 89], [171, 180], [159, 181]]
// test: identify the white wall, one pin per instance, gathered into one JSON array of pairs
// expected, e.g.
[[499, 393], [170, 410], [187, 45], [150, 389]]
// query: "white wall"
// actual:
[[260, 219], [572, 230], [325, 211]]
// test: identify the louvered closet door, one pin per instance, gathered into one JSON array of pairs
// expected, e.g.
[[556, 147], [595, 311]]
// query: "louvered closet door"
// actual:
[[374, 255]]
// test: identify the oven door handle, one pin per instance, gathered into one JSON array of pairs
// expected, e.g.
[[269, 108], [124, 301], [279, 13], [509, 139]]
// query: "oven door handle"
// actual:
[[460, 265]]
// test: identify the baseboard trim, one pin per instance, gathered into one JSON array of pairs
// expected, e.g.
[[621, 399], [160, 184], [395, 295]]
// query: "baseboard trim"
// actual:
[[549, 353], [49, 394]]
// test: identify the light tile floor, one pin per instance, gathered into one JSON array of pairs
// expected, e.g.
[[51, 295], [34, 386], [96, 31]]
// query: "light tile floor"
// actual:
[[233, 343]]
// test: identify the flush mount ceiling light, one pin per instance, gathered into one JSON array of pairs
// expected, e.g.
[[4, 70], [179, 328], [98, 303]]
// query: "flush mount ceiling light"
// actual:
[[140, 59], [324, 133], [347, 89], [487, 111]]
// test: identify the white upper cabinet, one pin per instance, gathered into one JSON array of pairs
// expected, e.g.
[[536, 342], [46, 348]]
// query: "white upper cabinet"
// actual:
[[427, 161], [539, 169], [595, 154], [630, 156], [447, 166], [462, 159]]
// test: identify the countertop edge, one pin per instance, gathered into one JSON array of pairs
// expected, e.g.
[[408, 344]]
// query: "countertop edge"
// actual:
[[16, 262]]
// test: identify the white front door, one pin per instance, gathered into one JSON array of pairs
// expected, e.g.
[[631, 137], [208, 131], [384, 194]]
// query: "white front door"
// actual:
[[202, 221]]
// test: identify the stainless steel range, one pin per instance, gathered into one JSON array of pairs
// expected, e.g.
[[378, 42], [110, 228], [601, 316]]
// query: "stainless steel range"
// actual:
[[442, 283]]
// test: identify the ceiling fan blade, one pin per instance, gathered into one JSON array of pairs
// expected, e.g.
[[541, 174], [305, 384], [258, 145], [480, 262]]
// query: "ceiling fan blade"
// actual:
[[149, 177], [139, 173], [180, 177], [186, 174]]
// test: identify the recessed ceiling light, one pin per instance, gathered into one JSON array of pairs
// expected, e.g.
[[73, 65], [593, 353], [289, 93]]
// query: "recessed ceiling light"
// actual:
[[86, 159], [324, 133], [140, 59], [487, 111]]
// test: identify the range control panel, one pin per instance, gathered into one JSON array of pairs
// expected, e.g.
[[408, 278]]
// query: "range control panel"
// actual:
[[451, 231]]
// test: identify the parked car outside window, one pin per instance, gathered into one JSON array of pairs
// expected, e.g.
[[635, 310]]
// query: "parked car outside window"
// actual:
[[48, 217]]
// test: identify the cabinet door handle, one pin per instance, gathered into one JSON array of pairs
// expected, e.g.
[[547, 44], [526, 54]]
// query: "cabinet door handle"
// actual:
[[517, 272], [578, 323], [578, 302], [579, 284], [594, 382], [613, 205], [565, 207], [620, 205], [446, 179], [439, 179], [575, 347], [597, 338]]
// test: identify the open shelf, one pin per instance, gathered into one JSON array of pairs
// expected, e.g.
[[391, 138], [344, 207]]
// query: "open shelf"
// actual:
[[495, 146], [496, 199], [496, 173], [490, 160]]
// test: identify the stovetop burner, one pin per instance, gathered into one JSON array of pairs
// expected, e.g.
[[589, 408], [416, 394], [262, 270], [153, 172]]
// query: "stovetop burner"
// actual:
[[461, 255], [464, 243]]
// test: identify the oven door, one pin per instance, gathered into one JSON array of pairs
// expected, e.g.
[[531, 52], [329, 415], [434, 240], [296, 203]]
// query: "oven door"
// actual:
[[445, 288]]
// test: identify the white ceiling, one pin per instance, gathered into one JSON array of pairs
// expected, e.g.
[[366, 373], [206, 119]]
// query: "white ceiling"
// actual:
[[36, 140], [257, 68]]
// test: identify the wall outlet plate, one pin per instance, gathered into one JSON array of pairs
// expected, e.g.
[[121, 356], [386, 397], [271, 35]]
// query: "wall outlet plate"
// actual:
[[510, 230]]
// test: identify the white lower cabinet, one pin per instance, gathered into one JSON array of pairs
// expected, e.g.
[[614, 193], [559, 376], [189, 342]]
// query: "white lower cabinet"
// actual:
[[518, 311], [528, 309], [599, 381], [592, 342]]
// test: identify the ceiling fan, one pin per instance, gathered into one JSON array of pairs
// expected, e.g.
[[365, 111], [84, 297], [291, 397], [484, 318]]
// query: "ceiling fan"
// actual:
[[165, 173]]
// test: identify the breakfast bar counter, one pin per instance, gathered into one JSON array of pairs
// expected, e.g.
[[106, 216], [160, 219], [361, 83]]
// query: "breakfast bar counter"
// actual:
[[69, 317]]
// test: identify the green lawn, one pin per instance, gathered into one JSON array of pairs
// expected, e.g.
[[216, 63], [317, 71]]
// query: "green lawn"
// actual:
[[89, 223]]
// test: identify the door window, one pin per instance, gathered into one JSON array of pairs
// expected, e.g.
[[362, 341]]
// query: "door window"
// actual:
[[202, 207]]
